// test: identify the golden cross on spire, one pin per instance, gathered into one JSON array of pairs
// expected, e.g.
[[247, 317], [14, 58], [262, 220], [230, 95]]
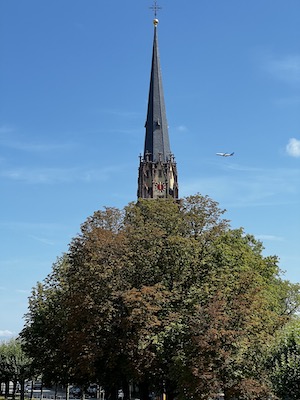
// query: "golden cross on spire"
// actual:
[[155, 8]]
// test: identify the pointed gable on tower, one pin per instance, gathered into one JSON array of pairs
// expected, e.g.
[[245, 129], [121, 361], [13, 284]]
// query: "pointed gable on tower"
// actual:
[[157, 169]]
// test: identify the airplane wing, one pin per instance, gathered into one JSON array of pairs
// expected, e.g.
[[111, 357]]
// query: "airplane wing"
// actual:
[[225, 154]]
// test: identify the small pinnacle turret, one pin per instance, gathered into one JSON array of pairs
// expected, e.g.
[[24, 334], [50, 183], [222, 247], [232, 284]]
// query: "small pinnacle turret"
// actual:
[[157, 170]]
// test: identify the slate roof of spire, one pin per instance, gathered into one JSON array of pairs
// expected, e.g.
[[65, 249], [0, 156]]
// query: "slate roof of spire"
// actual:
[[157, 143]]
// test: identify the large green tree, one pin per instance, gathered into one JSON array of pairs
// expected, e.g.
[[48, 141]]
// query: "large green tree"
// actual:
[[45, 333], [15, 366], [163, 294], [284, 361]]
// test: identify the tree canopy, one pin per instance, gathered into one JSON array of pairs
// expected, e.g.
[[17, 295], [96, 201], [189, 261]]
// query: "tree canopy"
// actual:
[[165, 295], [284, 361], [15, 366]]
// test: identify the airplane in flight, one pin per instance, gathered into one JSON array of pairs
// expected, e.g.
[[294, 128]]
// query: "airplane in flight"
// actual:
[[225, 154]]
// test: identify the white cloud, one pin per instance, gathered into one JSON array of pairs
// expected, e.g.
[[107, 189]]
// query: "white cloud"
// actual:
[[120, 113], [182, 128], [25, 226], [4, 129], [287, 101], [248, 186], [270, 238], [23, 291], [293, 147], [42, 240], [10, 138], [16, 144], [6, 333], [286, 68], [56, 175]]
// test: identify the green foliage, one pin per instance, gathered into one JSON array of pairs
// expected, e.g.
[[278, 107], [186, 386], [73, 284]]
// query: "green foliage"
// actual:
[[284, 361], [163, 294], [15, 365], [44, 334]]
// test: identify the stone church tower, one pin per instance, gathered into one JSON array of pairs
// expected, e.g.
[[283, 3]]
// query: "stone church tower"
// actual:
[[157, 169]]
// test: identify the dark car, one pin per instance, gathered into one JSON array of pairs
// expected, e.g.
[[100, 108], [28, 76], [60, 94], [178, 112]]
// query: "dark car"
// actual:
[[92, 390], [75, 392]]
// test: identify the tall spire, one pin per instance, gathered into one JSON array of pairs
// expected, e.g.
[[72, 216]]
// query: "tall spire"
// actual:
[[157, 137], [157, 170]]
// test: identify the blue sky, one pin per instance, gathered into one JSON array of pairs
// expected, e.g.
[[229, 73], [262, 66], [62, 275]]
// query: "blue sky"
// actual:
[[74, 79]]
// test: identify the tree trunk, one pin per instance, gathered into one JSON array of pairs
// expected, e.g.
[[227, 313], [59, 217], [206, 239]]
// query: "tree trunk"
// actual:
[[22, 389], [170, 389], [67, 392], [226, 394], [6, 389], [125, 388], [42, 391], [111, 392], [31, 391], [144, 390], [14, 389]]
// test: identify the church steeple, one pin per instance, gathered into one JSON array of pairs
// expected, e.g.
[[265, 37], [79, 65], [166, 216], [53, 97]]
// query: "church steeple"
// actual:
[[157, 170], [157, 137]]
